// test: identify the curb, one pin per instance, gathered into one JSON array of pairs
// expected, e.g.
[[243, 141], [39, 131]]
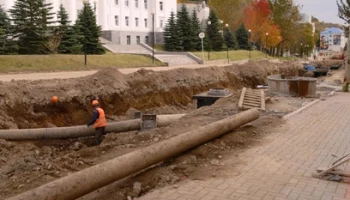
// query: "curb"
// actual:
[[301, 109], [306, 106]]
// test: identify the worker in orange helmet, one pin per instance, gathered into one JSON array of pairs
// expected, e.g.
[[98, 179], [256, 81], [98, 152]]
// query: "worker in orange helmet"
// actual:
[[98, 120]]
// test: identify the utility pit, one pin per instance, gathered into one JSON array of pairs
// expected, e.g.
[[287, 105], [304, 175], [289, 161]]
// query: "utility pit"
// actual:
[[210, 97], [292, 86]]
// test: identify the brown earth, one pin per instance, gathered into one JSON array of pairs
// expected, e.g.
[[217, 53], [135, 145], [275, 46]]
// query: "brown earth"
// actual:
[[26, 104], [26, 165]]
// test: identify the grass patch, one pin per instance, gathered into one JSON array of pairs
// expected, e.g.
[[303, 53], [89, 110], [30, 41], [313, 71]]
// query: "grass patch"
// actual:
[[233, 55], [59, 62]]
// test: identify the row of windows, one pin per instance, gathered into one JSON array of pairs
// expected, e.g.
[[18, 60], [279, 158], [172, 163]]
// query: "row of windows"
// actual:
[[116, 19], [138, 39], [137, 3]]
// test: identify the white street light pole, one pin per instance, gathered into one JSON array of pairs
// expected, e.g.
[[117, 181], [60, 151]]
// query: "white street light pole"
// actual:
[[201, 36]]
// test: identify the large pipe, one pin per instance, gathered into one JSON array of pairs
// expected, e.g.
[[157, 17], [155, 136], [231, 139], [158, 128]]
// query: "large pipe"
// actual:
[[90, 179], [81, 131]]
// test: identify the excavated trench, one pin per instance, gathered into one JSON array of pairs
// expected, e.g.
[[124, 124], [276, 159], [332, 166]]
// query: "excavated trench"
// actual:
[[26, 104]]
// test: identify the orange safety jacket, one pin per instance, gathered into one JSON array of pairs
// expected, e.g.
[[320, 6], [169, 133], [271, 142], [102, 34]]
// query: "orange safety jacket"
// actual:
[[101, 121]]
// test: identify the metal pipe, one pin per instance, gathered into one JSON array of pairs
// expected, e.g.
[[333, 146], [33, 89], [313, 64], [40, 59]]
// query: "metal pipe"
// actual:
[[80, 131], [83, 182]]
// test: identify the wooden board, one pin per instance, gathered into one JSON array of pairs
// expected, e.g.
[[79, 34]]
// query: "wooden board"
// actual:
[[252, 99]]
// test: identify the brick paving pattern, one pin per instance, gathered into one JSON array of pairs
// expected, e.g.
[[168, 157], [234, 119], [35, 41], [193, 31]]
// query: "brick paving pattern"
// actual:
[[282, 168]]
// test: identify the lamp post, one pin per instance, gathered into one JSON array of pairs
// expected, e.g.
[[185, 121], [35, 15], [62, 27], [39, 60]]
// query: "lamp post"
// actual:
[[209, 43], [228, 58], [267, 35], [85, 4], [222, 27], [153, 40], [249, 33], [301, 50]]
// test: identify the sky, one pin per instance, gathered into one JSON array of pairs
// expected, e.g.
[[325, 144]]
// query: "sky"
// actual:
[[324, 10]]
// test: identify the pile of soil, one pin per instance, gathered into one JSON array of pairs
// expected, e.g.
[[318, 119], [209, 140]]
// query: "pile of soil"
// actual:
[[26, 104], [328, 63]]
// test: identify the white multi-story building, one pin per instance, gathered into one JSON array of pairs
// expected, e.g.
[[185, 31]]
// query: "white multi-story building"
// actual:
[[122, 21]]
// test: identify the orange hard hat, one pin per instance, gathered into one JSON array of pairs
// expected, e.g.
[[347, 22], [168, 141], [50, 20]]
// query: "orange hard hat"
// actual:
[[94, 103]]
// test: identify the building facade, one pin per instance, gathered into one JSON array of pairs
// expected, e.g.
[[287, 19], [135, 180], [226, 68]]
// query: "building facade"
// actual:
[[123, 21], [332, 39]]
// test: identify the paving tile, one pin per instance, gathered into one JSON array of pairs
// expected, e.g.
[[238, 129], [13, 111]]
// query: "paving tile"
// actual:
[[282, 168]]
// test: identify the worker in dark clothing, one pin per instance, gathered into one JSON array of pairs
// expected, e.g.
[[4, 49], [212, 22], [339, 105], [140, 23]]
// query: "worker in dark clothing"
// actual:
[[98, 120]]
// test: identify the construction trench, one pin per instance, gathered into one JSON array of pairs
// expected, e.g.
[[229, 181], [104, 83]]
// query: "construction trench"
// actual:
[[37, 152]]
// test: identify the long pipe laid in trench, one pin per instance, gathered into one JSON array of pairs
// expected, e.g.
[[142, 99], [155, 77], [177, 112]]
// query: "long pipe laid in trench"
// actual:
[[81, 131], [92, 178]]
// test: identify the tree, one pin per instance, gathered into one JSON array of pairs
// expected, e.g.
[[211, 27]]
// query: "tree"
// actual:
[[196, 29], [31, 19], [91, 32], [344, 10], [242, 37], [7, 45], [184, 28], [69, 38], [254, 16], [171, 39], [230, 39], [286, 16], [213, 33], [230, 11]]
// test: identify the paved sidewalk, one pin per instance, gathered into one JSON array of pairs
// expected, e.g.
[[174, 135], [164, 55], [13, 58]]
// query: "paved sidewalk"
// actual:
[[282, 168]]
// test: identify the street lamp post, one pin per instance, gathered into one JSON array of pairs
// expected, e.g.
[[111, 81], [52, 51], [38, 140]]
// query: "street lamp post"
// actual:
[[301, 50], [228, 58], [222, 27], [153, 40], [249, 33], [267, 34], [209, 43], [85, 4]]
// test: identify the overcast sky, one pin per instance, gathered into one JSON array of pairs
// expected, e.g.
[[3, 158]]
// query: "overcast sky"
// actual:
[[324, 10]]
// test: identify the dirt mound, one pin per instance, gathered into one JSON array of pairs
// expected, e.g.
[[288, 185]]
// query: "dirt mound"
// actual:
[[328, 63], [26, 104]]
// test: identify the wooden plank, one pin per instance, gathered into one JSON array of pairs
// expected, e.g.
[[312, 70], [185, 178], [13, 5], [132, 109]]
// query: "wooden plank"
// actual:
[[262, 100], [333, 167], [252, 98], [258, 105], [241, 99], [334, 172], [251, 101]]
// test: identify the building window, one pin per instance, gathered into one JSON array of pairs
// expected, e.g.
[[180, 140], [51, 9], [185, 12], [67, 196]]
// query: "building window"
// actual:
[[137, 22], [146, 23], [126, 2], [145, 4], [136, 3], [161, 24], [116, 2], [127, 21], [161, 5], [138, 39], [147, 40], [128, 40], [116, 19]]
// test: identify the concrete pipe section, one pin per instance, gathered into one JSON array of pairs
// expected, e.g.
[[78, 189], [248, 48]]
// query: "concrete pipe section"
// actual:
[[293, 86], [83, 182], [81, 131]]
